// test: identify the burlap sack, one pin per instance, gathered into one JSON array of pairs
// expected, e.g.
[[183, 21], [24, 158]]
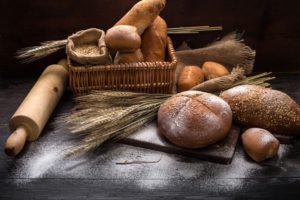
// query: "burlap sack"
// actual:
[[87, 47]]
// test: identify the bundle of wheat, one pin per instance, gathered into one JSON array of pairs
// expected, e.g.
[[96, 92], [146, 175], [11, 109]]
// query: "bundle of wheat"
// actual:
[[112, 115]]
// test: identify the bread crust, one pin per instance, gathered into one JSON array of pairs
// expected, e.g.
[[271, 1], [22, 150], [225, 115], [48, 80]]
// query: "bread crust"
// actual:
[[123, 38], [256, 106], [142, 14], [154, 41], [259, 144], [194, 119], [122, 57]]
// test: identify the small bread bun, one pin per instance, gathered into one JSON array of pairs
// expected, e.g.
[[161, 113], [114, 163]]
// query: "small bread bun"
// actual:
[[123, 38], [260, 144], [189, 77], [136, 56], [214, 70], [194, 119]]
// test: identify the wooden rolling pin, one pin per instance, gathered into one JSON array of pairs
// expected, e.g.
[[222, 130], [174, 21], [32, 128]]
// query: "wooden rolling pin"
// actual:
[[29, 120]]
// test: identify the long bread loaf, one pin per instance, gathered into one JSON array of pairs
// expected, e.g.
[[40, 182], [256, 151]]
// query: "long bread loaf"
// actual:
[[142, 14], [154, 41], [256, 106]]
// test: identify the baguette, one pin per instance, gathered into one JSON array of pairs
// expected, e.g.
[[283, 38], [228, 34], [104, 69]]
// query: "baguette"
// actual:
[[154, 41], [256, 106], [142, 14]]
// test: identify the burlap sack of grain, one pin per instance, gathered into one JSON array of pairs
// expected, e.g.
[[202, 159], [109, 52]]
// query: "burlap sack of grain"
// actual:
[[87, 47]]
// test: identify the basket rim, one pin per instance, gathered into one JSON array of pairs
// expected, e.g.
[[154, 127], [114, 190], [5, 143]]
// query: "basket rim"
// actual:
[[135, 65]]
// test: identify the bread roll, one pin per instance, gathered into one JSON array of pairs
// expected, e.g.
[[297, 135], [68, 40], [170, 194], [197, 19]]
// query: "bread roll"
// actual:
[[189, 77], [154, 41], [142, 14], [123, 38], [194, 119], [214, 70], [256, 106], [260, 144], [136, 56]]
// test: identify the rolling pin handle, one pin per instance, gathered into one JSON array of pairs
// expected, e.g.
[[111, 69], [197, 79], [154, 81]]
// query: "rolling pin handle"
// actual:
[[16, 141]]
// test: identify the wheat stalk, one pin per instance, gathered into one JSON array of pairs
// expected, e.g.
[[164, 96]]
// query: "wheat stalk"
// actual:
[[30, 54], [112, 115], [193, 29]]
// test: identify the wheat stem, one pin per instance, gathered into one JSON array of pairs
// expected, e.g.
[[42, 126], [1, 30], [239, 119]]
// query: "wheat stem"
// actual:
[[110, 116]]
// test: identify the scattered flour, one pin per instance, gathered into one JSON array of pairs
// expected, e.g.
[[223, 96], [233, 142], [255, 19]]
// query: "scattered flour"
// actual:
[[283, 151], [45, 160], [40, 164]]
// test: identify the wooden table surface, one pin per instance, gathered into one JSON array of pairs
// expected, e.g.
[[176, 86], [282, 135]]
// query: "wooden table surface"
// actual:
[[40, 172]]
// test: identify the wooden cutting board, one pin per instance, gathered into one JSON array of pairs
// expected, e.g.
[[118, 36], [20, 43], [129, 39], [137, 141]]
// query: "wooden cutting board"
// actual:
[[221, 152]]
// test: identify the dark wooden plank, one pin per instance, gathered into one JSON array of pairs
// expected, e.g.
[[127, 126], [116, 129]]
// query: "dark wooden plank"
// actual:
[[264, 188], [221, 152], [97, 176]]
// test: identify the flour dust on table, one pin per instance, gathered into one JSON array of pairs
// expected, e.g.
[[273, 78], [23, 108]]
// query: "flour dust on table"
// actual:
[[146, 169]]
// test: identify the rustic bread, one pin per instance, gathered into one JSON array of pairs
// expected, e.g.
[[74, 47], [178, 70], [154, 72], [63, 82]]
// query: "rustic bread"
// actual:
[[122, 57], [260, 144], [154, 41], [123, 38], [194, 119], [256, 106], [142, 14]]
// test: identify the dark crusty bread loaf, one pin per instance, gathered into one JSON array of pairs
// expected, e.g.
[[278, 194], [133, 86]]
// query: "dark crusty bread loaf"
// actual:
[[259, 144], [142, 14], [256, 106], [122, 57], [194, 119], [123, 38], [154, 41]]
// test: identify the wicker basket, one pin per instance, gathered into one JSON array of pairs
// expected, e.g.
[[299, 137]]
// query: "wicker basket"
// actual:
[[150, 77]]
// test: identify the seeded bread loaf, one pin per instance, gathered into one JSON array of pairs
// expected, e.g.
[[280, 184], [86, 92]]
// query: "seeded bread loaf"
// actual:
[[256, 106]]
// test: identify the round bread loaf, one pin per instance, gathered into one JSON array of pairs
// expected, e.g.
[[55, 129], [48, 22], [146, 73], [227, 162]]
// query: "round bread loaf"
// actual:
[[259, 144], [123, 38], [194, 119]]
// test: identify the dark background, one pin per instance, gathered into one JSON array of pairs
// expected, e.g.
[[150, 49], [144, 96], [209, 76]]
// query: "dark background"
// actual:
[[272, 26]]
